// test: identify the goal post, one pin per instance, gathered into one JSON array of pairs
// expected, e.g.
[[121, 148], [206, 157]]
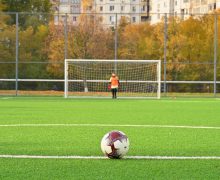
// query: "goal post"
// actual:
[[90, 78]]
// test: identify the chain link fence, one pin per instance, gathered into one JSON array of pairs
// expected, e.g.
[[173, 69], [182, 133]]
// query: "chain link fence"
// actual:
[[33, 48]]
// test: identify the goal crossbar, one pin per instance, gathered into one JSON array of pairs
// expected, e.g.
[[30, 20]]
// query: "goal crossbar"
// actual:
[[115, 61]]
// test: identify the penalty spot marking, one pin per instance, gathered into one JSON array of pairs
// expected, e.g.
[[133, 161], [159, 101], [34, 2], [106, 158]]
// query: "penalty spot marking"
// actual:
[[102, 157], [108, 125]]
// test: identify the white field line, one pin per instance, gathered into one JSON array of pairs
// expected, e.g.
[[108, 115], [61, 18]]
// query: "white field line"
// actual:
[[108, 125], [102, 157], [189, 101]]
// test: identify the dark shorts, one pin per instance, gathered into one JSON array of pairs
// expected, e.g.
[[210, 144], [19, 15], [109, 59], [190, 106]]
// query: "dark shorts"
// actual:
[[114, 89]]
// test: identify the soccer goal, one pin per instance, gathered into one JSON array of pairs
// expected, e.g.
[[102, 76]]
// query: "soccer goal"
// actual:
[[90, 78]]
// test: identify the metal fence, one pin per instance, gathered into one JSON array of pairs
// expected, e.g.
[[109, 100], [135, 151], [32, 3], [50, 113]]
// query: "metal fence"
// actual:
[[33, 48]]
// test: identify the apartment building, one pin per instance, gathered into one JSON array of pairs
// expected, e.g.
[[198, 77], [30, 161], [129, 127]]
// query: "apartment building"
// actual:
[[204, 6], [136, 11], [69, 8], [110, 11], [181, 8]]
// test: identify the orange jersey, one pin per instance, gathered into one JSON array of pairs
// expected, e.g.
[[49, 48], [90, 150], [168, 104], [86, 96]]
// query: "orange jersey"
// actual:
[[114, 82]]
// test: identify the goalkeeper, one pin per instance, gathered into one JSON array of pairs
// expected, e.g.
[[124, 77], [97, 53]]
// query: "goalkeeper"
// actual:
[[114, 83]]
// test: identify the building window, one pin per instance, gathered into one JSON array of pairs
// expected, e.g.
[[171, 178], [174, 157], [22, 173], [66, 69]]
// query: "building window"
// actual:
[[133, 9], [134, 19], [112, 19], [101, 8], [75, 1], [64, 1], [214, 6], [143, 8], [144, 18], [122, 8], [112, 8], [182, 14], [175, 3], [75, 8], [74, 18]]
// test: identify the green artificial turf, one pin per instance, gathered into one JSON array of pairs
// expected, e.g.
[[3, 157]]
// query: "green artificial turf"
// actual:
[[108, 169], [85, 140]]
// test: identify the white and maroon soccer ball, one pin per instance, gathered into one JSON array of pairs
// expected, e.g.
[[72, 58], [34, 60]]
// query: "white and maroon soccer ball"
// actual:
[[115, 144]]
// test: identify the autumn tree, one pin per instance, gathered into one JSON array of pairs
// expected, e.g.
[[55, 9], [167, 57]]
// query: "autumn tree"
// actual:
[[139, 41], [33, 12], [55, 49], [89, 40], [2, 6], [86, 40], [31, 49], [7, 46]]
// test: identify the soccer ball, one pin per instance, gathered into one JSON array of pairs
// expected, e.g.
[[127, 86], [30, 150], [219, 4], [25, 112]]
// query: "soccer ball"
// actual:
[[115, 144]]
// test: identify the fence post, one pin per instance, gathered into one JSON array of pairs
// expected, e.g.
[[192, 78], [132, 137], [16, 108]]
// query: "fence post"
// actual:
[[65, 38], [165, 53], [16, 55], [215, 52], [116, 42]]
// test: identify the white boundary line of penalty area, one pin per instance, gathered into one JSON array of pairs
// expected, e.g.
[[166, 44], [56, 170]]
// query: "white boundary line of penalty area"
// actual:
[[108, 125], [102, 157]]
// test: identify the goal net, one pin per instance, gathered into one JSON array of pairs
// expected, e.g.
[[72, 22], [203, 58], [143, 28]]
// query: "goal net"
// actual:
[[90, 78]]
